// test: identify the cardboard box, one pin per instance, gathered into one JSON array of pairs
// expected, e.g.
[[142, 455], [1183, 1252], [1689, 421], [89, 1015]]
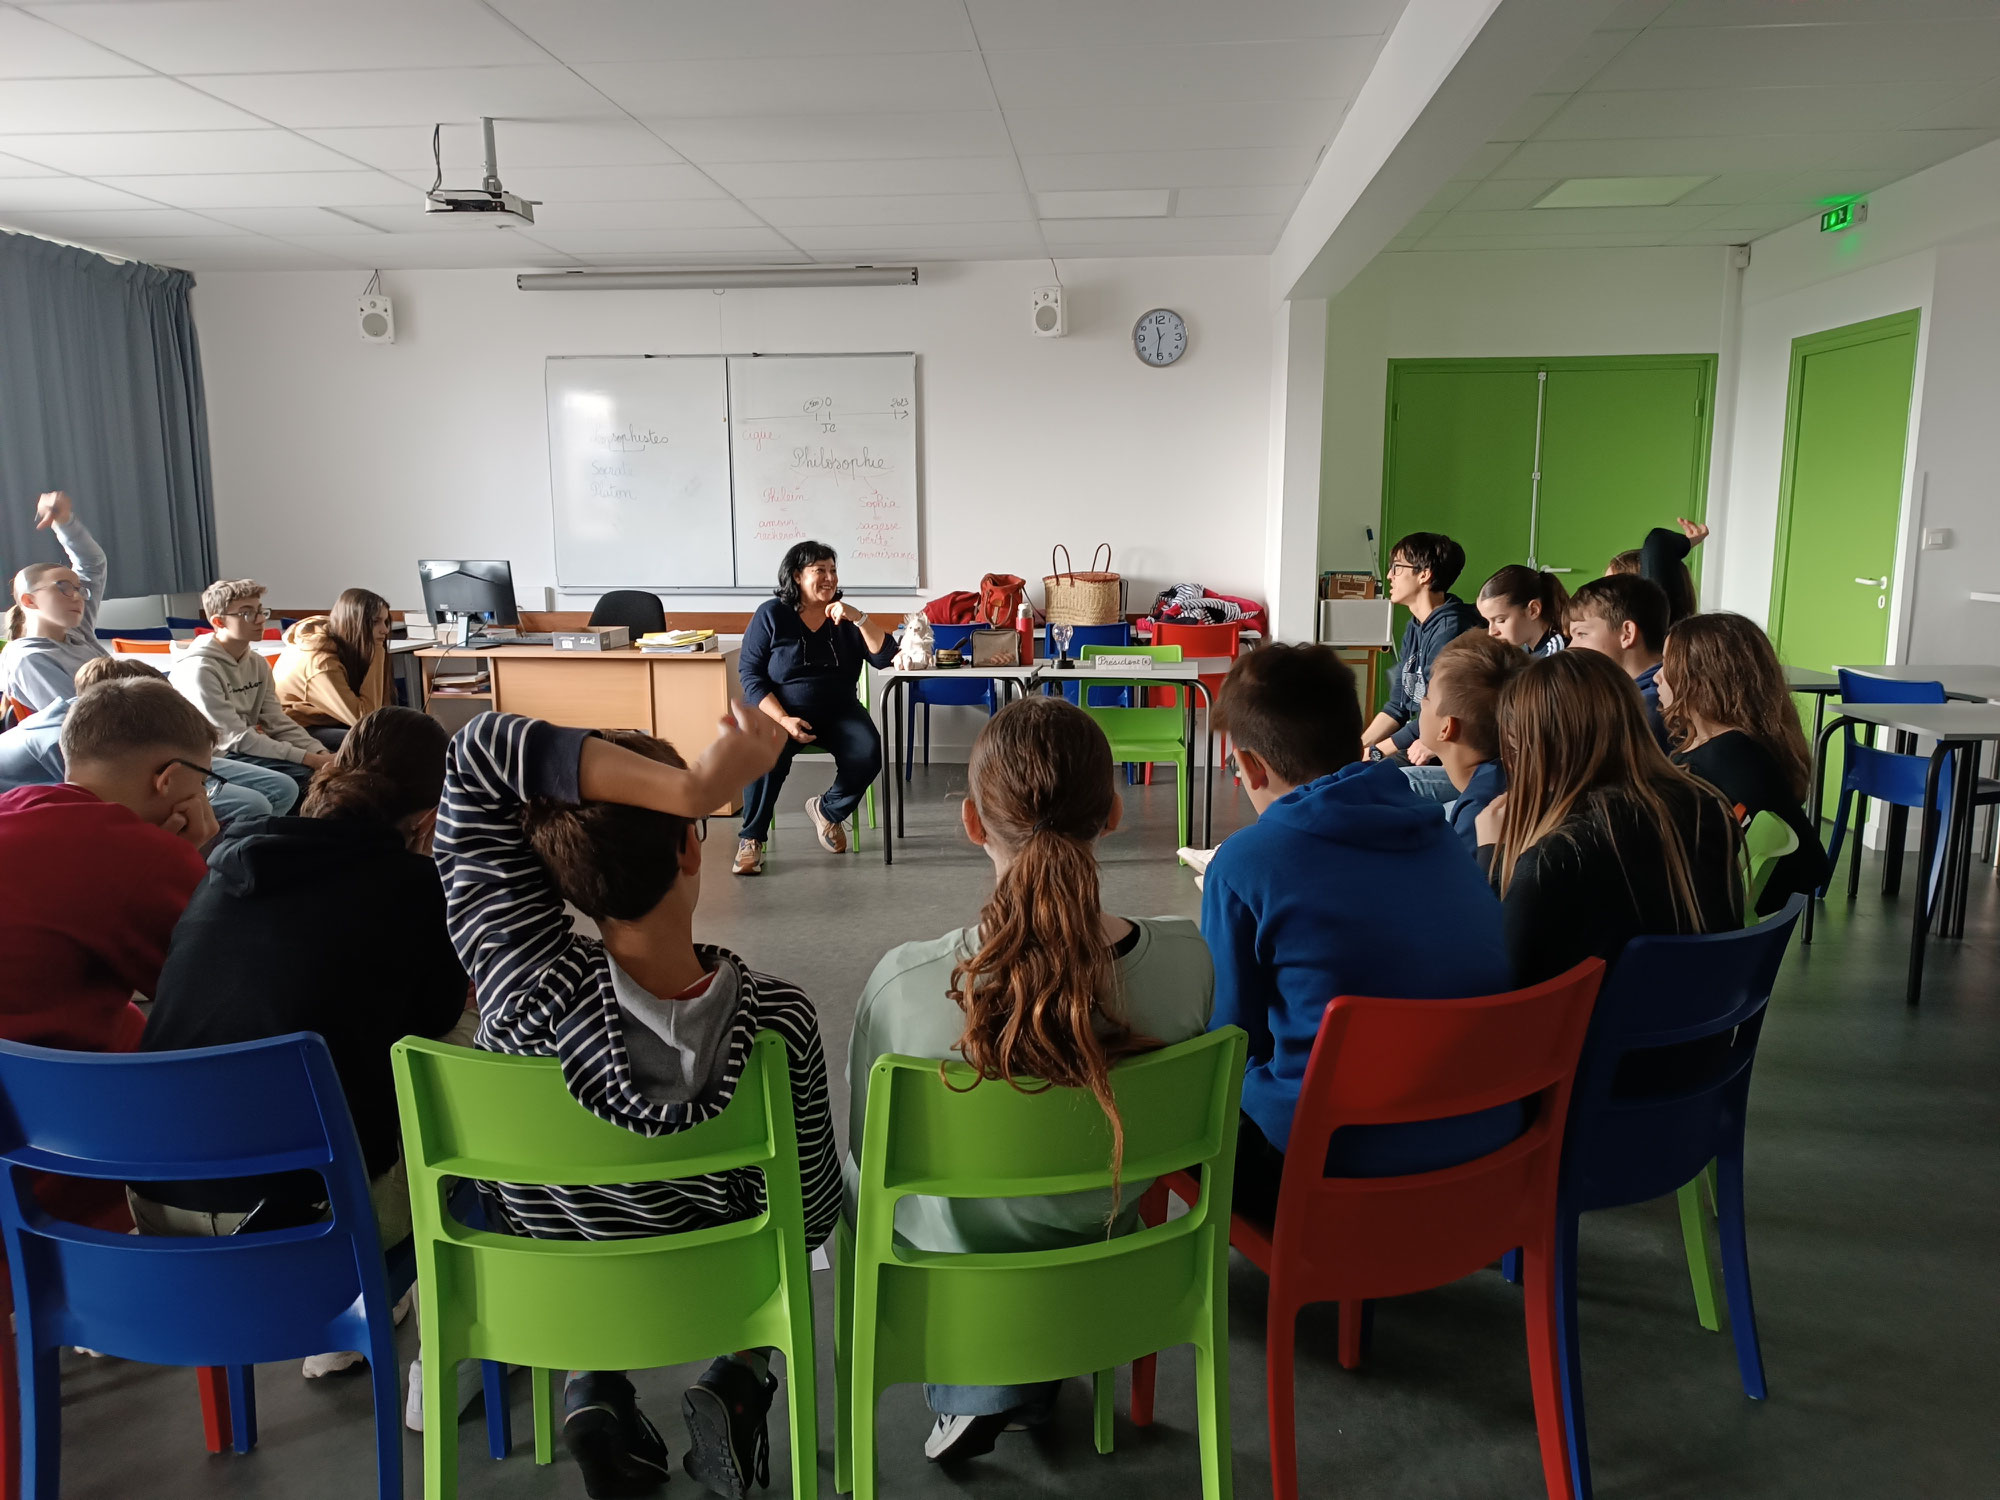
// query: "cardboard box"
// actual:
[[592, 638]]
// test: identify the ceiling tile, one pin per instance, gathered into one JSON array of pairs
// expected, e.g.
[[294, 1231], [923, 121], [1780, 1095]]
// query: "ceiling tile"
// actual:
[[855, 137], [1902, 150], [59, 193], [1420, 225], [1073, 77], [1631, 15], [241, 252], [1765, 56], [1204, 201], [14, 166], [820, 179], [915, 208], [1144, 250], [1975, 108], [794, 85], [1748, 219], [679, 30], [638, 213], [1504, 192], [498, 249], [523, 143], [1818, 12], [1587, 240], [33, 48], [1176, 127], [1110, 169], [287, 36], [1483, 162], [704, 258], [1582, 65], [1704, 154], [1654, 113], [95, 226], [1449, 196], [271, 189], [176, 151], [1246, 229], [752, 240], [43, 106], [290, 221], [664, 181], [1743, 187], [1572, 221], [410, 96], [856, 237], [1534, 112], [1005, 25]]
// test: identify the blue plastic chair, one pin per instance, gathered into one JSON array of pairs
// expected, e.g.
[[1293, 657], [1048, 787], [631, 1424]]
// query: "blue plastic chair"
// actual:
[[1632, 1139], [136, 633], [1092, 635], [209, 1112], [974, 692]]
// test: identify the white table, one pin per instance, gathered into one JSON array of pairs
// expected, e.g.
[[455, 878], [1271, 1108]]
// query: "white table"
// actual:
[[1963, 727], [895, 687]]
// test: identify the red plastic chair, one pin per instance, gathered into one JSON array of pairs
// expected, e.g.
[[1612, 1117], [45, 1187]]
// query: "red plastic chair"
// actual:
[[1196, 641], [1350, 1239], [126, 646]]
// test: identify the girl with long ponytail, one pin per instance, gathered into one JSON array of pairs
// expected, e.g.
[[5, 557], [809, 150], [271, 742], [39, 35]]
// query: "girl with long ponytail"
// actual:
[[1524, 607], [1048, 990]]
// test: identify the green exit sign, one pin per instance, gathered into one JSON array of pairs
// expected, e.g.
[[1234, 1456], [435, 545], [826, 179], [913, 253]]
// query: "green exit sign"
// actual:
[[1842, 217]]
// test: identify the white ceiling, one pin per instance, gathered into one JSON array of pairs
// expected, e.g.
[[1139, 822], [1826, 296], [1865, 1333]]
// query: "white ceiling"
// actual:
[[252, 134], [1783, 104]]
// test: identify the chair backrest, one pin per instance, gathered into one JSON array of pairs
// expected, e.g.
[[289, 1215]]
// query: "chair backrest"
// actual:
[[1136, 723], [135, 633], [141, 646], [1119, 634], [929, 1131], [944, 692], [12, 712], [1198, 641], [1859, 687], [1768, 839], [1396, 1061], [1641, 1127], [637, 610], [210, 1112], [568, 1303]]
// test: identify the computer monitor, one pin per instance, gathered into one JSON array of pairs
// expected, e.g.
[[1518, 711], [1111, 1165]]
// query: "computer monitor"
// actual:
[[481, 589]]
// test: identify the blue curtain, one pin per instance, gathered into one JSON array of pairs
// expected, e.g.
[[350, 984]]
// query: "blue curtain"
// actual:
[[100, 395]]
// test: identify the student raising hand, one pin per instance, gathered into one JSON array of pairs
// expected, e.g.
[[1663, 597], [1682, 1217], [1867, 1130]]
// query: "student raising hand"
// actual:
[[1694, 531], [53, 508]]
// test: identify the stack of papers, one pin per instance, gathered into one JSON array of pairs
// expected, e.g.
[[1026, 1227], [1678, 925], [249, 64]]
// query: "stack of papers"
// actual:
[[1197, 861], [677, 642]]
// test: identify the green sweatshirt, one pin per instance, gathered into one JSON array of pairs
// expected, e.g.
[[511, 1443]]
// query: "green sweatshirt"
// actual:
[[1167, 988]]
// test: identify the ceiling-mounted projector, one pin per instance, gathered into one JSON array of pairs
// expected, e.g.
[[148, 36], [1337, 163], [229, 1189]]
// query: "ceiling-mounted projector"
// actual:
[[488, 204]]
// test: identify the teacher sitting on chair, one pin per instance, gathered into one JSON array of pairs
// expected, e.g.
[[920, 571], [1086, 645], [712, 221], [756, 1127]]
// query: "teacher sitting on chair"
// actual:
[[801, 664]]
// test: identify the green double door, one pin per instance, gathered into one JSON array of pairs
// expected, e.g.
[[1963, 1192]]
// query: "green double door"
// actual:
[[1558, 462]]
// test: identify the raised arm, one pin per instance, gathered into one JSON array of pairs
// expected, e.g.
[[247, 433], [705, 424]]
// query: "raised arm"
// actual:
[[54, 510]]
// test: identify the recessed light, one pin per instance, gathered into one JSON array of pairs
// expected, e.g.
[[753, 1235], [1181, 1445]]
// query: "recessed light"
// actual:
[[1110, 203], [1619, 192]]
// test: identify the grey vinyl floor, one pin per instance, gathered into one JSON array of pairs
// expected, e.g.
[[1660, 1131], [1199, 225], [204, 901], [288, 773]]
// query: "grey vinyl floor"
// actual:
[[1874, 1208]]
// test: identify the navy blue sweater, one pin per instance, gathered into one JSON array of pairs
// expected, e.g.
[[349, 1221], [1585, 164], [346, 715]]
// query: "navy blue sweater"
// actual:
[[1489, 780], [808, 670], [1351, 885], [1422, 640]]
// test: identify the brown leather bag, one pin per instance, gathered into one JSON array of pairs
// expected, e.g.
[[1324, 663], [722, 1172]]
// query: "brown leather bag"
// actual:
[[1000, 596]]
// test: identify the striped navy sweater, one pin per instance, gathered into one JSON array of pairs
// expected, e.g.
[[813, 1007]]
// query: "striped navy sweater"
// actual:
[[545, 990]]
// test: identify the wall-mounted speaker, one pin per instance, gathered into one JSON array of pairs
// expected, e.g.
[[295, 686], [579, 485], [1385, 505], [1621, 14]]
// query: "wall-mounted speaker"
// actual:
[[377, 321], [1046, 310]]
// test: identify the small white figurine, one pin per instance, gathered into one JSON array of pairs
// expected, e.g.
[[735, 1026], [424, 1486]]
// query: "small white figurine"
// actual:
[[918, 652]]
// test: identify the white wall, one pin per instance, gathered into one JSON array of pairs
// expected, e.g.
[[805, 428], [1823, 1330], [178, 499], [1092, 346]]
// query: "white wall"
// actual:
[[339, 463], [1493, 304]]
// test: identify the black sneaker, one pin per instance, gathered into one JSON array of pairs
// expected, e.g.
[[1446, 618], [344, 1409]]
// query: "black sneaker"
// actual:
[[956, 1438], [729, 1442], [619, 1451]]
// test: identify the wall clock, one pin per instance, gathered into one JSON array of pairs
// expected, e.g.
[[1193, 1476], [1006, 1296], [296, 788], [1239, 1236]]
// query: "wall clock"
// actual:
[[1159, 337]]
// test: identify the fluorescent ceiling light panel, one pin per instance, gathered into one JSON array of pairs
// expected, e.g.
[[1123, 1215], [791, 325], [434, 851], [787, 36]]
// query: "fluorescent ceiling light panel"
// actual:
[[1619, 192], [1112, 203]]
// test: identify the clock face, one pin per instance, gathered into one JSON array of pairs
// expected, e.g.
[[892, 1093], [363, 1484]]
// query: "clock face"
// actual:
[[1160, 337]]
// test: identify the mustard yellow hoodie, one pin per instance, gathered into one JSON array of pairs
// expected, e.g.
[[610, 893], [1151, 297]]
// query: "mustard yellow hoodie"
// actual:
[[312, 684]]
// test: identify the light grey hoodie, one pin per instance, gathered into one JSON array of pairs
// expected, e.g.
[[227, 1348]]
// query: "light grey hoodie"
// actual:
[[36, 670], [240, 698]]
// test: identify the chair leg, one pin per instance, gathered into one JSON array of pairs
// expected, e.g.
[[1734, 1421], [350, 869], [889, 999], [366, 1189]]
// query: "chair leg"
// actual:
[[385, 1385], [927, 736], [440, 1399], [1103, 1392], [1146, 1368], [1280, 1400], [1701, 1269], [10, 1417], [211, 1380], [1211, 1397], [1350, 1335], [41, 1420], [543, 1383], [1736, 1271], [1510, 1266], [1569, 1352], [1545, 1367], [499, 1415], [243, 1406], [1854, 854], [802, 1396], [843, 1340]]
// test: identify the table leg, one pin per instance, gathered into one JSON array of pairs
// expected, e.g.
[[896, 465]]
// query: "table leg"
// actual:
[[1963, 816], [1895, 828], [1920, 922], [892, 769], [1822, 736], [903, 729], [1210, 768]]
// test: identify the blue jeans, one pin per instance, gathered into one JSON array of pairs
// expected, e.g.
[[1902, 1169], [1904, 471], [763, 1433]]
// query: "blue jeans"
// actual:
[[1035, 1402], [857, 759], [1432, 783], [254, 790]]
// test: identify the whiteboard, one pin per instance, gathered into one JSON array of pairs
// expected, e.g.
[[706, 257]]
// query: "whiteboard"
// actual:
[[639, 472], [825, 447]]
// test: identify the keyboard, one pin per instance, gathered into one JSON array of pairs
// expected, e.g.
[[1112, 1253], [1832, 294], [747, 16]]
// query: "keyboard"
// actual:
[[525, 638]]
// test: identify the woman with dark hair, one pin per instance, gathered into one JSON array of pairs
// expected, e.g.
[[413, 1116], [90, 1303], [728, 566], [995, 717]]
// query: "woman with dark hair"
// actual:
[[801, 663], [334, 670], [332, 922]]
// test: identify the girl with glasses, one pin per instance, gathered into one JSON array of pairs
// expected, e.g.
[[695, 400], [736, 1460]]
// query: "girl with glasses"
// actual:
[[52, 618]]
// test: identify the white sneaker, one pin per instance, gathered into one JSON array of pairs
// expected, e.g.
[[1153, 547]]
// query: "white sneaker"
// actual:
[[402, 1309], [317, 1365], [470, 1383]]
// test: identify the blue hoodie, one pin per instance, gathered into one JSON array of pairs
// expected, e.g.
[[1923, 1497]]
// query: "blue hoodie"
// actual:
[[1350, 885], [1488, 780]]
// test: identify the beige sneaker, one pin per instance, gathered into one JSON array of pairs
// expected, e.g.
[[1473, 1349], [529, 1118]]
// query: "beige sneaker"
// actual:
[[832, 837], [749, 857]]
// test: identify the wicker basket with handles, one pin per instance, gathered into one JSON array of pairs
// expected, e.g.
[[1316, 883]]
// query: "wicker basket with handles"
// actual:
[[1088, 598]]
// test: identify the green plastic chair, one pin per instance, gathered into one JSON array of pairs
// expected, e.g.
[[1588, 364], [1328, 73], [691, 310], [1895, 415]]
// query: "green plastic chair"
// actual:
[[1768, 839], [1146, 736], [556, 1305], [908, 1315]]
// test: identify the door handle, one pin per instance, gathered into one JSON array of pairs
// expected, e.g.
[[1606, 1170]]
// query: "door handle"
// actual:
[[1558, 570], [1874, 583]]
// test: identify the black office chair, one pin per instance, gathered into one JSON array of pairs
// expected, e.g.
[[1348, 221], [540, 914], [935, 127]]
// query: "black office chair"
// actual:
[[635, 609]]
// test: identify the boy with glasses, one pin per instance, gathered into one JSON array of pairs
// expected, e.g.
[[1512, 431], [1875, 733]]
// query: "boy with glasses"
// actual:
[[1422, 568], [233, 687]]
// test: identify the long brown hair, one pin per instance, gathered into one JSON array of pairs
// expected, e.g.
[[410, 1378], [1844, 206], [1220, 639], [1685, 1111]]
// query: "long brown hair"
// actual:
[[1522, 586], [28, 578], [1574, 740], [1722, 668], [350, 628], [390, 767], [1040, 994]]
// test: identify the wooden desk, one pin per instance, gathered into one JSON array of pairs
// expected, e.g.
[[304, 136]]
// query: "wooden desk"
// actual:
[[677, 698]]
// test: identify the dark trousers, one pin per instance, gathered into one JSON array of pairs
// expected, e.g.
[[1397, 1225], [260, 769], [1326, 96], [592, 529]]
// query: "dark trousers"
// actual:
[[292, 768], [857, 759], [333, 736]]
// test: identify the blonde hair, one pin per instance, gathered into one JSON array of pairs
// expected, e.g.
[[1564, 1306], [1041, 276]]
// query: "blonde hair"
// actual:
[[112, 669], [29, 577], [127, 715], [218, 596]]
